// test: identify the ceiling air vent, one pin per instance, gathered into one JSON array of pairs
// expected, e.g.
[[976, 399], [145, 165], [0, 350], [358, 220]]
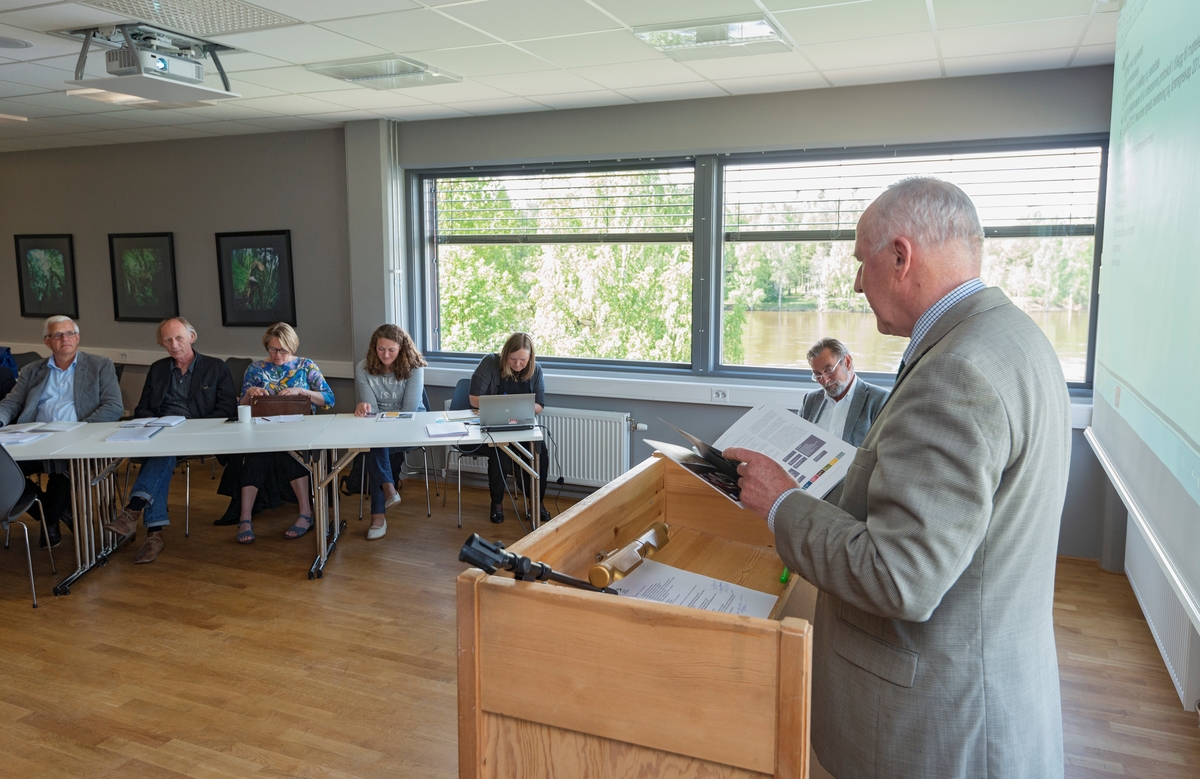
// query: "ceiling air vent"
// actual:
[[196, 17], [384, 72]]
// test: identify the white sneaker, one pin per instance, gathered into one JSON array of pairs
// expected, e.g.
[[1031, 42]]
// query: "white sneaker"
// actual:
[[375, 533], [392, 501]]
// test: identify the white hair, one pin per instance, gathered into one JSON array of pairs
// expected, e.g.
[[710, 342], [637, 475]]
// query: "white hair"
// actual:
[[931, 213], [169, 320], [55, 320]]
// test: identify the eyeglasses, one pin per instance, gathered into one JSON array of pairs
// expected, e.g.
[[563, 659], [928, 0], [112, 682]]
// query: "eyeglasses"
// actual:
[[278, 352], [64, 334], [825, 374]]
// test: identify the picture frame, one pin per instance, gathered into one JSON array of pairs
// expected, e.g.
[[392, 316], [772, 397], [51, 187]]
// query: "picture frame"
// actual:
[[143, 276], [46, 275], [256, 280]]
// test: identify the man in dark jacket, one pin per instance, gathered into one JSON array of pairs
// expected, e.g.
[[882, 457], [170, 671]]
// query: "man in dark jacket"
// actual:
[[186, 384], [71, 386]]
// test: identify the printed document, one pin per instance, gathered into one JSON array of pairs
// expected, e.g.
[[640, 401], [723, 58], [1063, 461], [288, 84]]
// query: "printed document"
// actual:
[[278, 418], [142, 433], [20, 437], [666, 584]]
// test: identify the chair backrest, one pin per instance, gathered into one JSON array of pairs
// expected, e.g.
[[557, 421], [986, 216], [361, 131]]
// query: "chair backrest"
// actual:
[[24, 358], [120, 369], [7, 381], [425, 401], [237, 369], [462, 395], [12, 483]]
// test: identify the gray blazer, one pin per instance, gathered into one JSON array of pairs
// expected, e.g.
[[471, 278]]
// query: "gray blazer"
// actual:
[[97, 393], [865, 404], [933, 640]]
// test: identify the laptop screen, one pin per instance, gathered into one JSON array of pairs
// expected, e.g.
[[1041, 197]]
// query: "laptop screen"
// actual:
[[498, 410]]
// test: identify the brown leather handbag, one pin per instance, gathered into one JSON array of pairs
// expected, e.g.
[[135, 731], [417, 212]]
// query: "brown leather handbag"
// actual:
[[275, 405]]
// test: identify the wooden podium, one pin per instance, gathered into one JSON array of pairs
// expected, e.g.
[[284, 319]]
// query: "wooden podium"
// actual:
[[560, 682]]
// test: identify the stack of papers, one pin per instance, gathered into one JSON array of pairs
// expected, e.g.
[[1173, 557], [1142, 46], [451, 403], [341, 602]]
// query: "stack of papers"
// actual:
[[19, 436], [170, 421], [466, 413], [666, 584], [137, 433], [42, 427], [276, 418], [446, 430]]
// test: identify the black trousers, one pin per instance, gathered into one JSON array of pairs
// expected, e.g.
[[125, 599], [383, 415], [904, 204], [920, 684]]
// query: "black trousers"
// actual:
[[56, 499], [258, 468], [499, 464]]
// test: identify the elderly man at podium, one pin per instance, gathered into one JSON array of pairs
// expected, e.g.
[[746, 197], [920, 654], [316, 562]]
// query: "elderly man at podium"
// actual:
[[933, 639]]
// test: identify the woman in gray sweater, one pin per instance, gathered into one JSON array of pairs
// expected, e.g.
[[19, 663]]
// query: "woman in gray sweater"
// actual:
[[392, 378]]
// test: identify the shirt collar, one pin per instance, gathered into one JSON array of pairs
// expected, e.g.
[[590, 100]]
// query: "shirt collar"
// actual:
[[54, 366], [845, 397], [934, 313]]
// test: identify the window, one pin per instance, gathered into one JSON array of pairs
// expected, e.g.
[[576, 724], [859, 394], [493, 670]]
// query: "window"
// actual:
[[594, 264], [789, 238]]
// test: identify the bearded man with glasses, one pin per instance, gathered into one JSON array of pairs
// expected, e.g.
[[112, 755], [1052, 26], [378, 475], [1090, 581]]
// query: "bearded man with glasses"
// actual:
[[71, 386], [845, 405]]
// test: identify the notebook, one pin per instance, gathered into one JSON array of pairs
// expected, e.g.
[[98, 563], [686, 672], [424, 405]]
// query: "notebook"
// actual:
[[506, 412]]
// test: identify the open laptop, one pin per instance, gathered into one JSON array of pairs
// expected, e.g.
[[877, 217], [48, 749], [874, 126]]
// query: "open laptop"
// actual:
[[505, 412]]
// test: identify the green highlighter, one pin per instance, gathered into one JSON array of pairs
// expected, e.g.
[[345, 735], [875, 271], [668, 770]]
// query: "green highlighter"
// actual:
[[783, 578]]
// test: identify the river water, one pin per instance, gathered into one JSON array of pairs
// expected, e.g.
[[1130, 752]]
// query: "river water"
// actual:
[[781, 338]]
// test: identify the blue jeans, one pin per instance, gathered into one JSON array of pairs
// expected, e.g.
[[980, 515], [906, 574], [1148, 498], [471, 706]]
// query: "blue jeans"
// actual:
[[152, 485], [379, 469]]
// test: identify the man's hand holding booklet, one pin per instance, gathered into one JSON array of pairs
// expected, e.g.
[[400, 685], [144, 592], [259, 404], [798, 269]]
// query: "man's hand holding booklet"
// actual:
[[816, 459]]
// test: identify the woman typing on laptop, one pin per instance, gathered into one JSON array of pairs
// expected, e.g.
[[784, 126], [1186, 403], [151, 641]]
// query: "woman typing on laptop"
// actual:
[[513, 371]]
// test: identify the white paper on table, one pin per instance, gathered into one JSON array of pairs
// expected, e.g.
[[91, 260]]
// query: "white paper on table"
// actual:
[[21, 438], [21, 427], [666, 584], [278, 418], [465, 413], [137, 422], [60, 427], [170, 421], [815, 458], [143, 433], [445, 430], [393, 415]]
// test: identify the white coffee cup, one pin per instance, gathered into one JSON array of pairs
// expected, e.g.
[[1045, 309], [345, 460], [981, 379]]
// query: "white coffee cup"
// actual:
[[244, 415]]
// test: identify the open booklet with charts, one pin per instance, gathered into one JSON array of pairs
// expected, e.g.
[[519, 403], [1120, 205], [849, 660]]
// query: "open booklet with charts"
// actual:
[[815, 458]]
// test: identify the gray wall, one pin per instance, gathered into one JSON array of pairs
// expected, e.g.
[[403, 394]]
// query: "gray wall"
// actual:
[[194, 189]]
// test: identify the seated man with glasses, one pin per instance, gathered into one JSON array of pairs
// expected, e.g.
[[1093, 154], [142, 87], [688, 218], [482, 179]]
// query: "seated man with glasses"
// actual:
[[71, 386], [845, 405], [187, 384]]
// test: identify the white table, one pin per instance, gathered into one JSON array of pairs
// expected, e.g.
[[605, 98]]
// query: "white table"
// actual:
[[94, 460]]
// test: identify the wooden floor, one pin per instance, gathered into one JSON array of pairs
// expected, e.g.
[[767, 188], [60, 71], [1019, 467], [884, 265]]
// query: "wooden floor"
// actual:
[[220, 660]]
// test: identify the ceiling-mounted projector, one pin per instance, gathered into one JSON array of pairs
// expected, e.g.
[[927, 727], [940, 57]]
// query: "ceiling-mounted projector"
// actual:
[[149, 67]]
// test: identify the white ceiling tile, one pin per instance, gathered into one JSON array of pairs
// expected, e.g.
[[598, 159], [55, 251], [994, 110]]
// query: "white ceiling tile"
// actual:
[[674, 92], [631, 75], [290, 105], [421, 113], [791, 83], [872, 52], [583, 99], [1104, 54], [43, 45], [225, 111], [290, 123], [81, 122], [93, 68], [848, 22], [636, 13], [299, 45], [229, 128], [970, 13], [174, 133], [1007, 38], [294, 79], [59, 16], [517, 20], [1007, 63], [321, 10], [461, 92], [156, 117], [35, 75], [601, 48], [510, 105], [532, 84], [490, 60], [239, 87], [745, 67], [234, 61], [59, 104], [340, 117], [1103, 29], [883, 74], [13, 89], [408, 31], [788, 5], [373, 99]]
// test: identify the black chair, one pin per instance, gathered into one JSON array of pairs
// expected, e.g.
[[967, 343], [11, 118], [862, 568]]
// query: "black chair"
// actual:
[[461, 402], [24, 358], [13, 503], [404, 471], [7, 381]]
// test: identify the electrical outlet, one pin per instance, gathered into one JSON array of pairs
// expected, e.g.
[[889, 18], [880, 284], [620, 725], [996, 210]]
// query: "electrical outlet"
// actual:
[[720, 395], [124, 356]]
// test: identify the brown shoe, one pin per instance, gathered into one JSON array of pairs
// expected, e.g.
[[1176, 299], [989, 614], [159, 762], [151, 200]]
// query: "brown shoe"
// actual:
[[151, 548], [124, 523]]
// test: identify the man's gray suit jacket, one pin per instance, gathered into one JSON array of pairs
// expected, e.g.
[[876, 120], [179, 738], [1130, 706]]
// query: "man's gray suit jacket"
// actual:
[[933, 639], [97, 393], [865, 404]]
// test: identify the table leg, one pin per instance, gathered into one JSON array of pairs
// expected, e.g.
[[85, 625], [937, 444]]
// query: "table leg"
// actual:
[[93, 501], [522, 457], [324, 474]]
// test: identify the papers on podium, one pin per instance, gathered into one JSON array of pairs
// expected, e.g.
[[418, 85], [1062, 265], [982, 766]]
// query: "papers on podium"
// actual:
[[815, 458], [665, 584]]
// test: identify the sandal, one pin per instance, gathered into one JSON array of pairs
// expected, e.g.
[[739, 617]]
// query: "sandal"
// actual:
[[297, 530], [246, 536]]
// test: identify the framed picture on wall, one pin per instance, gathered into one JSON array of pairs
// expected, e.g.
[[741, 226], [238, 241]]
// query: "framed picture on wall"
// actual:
[[256, 278], [46, 275], [143, 276]]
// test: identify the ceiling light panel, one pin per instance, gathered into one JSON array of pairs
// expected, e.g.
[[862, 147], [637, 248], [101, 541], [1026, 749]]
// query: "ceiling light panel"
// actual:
[[715, 38], [384, 72], [197, 17]]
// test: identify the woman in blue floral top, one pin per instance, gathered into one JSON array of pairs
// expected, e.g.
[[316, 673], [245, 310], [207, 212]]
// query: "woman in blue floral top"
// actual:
[[283, 373]]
